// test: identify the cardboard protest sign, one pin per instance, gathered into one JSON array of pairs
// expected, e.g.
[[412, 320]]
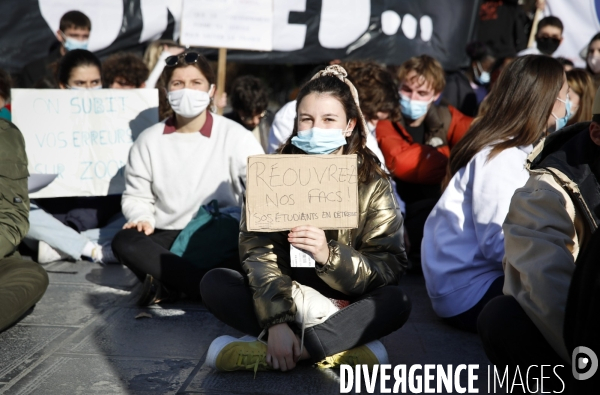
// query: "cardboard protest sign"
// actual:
[[84, 136], [235, 24], [284, 191]]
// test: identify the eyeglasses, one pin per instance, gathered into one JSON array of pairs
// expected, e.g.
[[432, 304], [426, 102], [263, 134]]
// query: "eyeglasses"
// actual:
[[188, 57]]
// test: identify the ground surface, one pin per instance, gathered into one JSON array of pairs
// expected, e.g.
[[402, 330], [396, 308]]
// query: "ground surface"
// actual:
[[83, 338]]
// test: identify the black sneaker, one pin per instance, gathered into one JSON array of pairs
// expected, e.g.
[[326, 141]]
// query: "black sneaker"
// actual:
[[153, 292]]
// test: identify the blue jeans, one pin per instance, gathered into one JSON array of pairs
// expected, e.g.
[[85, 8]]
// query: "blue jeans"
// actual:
[[44, 227]]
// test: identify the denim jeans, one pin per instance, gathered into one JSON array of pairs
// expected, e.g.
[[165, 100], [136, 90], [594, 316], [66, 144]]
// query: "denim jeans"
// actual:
[[378, 313]]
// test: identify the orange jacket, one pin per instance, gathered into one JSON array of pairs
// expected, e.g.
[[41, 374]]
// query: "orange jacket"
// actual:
[[420, 163]]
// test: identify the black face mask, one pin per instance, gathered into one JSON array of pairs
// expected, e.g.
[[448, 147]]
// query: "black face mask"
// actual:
[[547, 45]]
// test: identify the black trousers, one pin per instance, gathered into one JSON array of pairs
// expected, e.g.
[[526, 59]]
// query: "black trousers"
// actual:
[[22, 285], [150, 255], [511, 339], [467, 321], [378, 313]]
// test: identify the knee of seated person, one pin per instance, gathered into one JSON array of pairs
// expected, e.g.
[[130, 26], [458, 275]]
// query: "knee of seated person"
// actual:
[[398, 303], [492, 323], [121, 243], [215, 281]]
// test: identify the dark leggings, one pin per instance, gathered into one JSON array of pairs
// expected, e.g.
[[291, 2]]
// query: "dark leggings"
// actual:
[[376, 314], [511, 339], [467, 321], [150, 255]]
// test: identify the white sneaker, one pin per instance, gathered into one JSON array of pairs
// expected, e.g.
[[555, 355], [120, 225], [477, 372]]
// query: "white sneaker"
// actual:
[[47, 254], [103, 254]]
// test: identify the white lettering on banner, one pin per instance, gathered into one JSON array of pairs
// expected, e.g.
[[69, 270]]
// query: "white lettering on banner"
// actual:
[[235, 24], [426, 28], [154, 17], [390, 22], [409, 26], [84, 136], [288, 37], [343, 22], [106, 17]]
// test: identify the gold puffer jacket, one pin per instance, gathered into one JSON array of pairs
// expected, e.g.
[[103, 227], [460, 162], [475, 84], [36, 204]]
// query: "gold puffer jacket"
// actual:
[[360, 260]]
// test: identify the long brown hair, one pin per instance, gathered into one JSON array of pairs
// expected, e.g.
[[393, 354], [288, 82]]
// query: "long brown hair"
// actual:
[[519, 106], [581, 82], [356, 143]]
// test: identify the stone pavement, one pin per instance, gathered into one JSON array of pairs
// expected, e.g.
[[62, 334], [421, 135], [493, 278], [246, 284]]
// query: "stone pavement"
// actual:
[[83, 338]]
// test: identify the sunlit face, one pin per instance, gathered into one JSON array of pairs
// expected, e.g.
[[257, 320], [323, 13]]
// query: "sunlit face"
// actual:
[[416, 87], [85, 77], [322, 111], [560, 109], [188, 77]]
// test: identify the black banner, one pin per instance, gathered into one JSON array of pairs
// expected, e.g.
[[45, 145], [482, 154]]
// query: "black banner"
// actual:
[[440, 28]]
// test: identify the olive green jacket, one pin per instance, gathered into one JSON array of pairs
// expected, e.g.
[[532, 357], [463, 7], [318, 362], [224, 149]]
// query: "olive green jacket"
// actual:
[[14, 199], [360, 260]]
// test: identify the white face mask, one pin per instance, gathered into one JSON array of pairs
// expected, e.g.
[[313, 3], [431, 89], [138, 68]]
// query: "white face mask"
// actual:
[[594, 63], [189, 103]]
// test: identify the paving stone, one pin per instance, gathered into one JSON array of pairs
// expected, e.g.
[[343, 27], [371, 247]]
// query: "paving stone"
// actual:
[[84, 272], [170, 333], [74, 304], [22, 346], [65, 374]]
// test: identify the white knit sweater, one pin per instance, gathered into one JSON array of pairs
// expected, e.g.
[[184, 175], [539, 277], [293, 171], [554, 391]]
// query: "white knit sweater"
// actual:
[[169, 176]]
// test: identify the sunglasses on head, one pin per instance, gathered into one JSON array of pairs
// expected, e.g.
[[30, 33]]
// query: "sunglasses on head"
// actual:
[[188, 57]]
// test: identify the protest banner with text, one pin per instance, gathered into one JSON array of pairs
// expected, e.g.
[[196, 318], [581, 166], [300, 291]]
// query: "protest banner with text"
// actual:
[[284, 191], [84, 136]]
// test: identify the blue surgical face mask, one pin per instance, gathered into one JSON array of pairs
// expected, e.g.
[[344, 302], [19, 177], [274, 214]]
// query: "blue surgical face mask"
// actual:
[[482, 76], [562, 122], [319, 141], [413, 109], [71, 43]]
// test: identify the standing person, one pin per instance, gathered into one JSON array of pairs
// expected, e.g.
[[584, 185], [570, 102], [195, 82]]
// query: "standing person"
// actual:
[[361, 265], [593, 59], [463, 242], [417, 146], [22, 282], [124, 70], [74, 33], [548, 37], [466, 89], [581, 94], [174, 167], [502, 27], [550, 222], [249, 100], [73, 230]]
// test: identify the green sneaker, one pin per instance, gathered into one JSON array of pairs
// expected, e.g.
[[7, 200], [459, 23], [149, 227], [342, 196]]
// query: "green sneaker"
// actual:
[[372, 353], [226, 353]]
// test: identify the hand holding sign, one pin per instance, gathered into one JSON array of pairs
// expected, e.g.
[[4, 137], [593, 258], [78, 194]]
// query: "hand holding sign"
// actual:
[[310, 239]]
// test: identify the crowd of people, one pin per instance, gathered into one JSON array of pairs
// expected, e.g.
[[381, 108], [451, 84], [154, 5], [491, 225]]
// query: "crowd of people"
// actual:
[[485, 180]]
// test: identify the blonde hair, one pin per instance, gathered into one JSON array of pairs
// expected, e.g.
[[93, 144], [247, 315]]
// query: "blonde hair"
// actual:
[[427, 67], [582, 83], [153, 51]]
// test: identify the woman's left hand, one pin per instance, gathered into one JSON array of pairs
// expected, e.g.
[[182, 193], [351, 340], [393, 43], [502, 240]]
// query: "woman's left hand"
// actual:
[[310, 239]]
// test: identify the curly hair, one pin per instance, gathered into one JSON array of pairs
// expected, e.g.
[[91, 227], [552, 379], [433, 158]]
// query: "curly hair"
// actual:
[[248, 95], [377, 90], [124, 65]]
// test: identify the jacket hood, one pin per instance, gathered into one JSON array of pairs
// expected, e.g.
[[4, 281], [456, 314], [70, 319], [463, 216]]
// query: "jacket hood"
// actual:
[[572, 157]]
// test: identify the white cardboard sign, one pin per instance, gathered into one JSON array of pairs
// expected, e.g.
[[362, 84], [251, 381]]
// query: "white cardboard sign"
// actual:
[[234, 24], [84, 136]]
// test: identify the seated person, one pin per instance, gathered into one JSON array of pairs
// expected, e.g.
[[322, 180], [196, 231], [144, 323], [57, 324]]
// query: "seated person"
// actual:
[[249, 101], [74, 33], [550, 222], [417, 145], [124, 70], [174, 167], [463, 243], [79, 226], [361, 266], [548, 37], [22, 282]]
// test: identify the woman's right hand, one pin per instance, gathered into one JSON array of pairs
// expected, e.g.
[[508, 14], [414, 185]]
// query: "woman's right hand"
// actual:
[[142, 226], [283, 348]]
